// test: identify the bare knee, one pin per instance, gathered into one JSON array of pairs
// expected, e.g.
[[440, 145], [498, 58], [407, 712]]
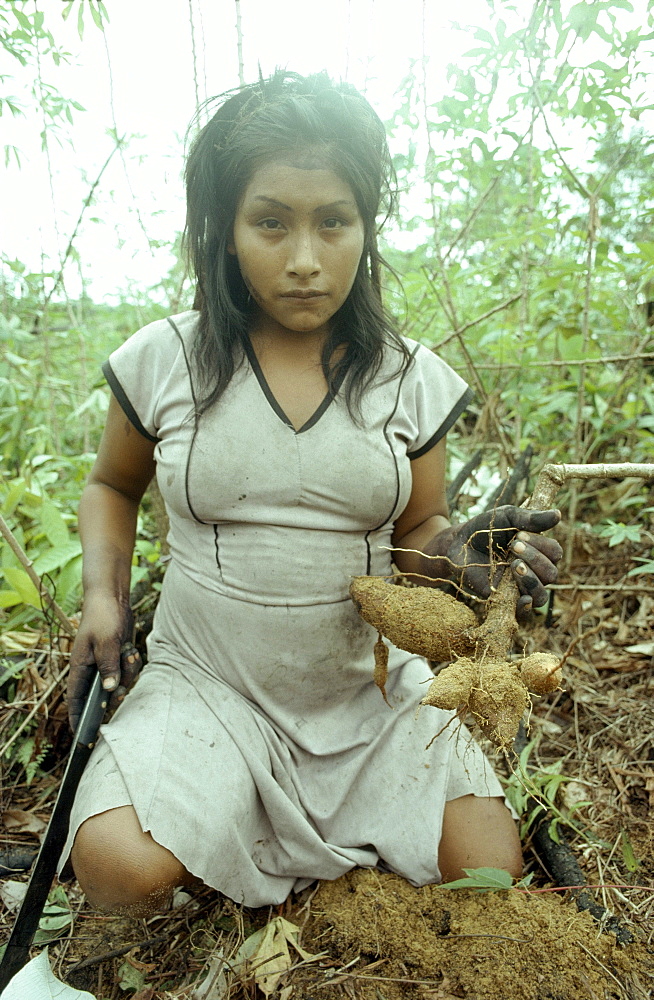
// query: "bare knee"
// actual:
[[121, 868], [478, 833]]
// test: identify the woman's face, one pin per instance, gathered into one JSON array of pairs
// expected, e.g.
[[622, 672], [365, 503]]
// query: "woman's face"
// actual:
[[298, 237]]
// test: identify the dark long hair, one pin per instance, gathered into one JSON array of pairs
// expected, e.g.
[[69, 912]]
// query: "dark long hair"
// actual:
[[285, 116]]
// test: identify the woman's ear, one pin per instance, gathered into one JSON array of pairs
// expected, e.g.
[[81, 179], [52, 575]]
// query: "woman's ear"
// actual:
[[231, 246]]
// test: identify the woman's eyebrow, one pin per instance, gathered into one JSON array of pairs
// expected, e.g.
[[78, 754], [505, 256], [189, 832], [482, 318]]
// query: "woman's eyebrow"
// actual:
[[320, 208]]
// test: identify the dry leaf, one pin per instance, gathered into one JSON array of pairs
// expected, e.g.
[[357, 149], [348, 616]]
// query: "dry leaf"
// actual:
[[265, 955], [12, 894], [214, 985], [20, 821]]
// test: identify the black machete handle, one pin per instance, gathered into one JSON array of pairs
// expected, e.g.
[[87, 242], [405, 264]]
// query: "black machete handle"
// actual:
[[17, 950]]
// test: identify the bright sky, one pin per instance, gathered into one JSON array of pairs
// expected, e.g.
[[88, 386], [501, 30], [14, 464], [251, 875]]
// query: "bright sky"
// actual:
[[147, 52], [139, 73]]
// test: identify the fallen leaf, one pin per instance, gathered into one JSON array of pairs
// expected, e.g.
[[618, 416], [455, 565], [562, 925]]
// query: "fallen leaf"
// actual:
[[12, 894], [130, 978], [56, 919], [265, 956], [214, 985], [645, 648], [140, 966], [36, 981], [20, 821]]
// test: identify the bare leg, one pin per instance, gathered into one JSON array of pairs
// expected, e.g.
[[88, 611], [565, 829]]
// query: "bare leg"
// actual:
[[478, 833], [121, 868]]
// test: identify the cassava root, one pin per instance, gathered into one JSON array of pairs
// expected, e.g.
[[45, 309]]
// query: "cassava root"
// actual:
[[425, 621]]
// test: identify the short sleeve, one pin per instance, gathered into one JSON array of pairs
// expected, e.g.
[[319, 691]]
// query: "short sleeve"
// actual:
[[142, 369], [433, 398]]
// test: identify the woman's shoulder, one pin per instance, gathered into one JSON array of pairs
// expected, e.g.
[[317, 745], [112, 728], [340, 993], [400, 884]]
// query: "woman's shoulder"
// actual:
[[416, 363], [164, 335]]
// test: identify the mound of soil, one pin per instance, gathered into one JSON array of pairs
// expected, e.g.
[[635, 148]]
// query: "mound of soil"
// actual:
[[444, 943]]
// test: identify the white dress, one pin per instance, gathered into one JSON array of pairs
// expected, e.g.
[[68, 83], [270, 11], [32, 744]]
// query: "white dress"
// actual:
[[255, 745]]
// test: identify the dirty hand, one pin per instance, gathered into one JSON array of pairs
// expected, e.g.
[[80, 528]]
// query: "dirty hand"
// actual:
[[473, 548], [103, 641]]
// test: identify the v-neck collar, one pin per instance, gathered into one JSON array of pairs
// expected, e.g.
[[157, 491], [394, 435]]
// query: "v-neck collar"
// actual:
[[268, 393]]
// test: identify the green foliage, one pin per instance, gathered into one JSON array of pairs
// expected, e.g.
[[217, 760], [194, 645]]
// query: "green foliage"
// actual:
[[57, 918], [537, 137], [533, 792], [488, 880], [31, 758], [618, 531]]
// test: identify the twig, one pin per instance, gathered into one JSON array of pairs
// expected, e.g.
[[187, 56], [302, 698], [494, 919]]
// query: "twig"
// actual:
[[87, 202], [456, 485], [28, 718], [575, 642], [601, 965], [26, 562], [606, 360], [116, 953], [473, 322]]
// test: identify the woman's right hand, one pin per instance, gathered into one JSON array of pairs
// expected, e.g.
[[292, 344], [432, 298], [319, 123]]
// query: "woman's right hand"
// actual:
[[103, 642]]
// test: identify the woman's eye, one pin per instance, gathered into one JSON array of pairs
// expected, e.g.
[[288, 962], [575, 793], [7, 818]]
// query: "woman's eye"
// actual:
[[270, 224], [332, 223]]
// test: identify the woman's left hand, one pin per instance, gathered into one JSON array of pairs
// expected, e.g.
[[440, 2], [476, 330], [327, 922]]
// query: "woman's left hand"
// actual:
[[471, 551]]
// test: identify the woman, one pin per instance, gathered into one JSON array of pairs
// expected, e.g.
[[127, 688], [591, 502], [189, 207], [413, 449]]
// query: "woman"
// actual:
[[295, 437]]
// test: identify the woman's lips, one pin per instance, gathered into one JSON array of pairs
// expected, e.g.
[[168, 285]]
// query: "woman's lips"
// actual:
[[303, 294]]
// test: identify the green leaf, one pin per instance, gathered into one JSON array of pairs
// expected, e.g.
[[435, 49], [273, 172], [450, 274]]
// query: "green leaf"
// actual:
[[53, 524], [67, 9], [58, 556], [80, 19], [14, 496], [19, 581], [583, 18], [22, 19], [632, 863], [647, 566], [482, 879], [10, 598], [57, 917], [96, 15], [130, 978]]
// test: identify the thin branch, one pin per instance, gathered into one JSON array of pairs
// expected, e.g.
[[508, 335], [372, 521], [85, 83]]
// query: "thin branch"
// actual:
[[239, 44], [26, 562], [194, 56], [30, 715], [608, 359], [473, 322], [86, 204]]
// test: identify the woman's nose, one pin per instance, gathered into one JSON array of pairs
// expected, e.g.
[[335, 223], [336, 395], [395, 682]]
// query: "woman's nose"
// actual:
[[303, 258]]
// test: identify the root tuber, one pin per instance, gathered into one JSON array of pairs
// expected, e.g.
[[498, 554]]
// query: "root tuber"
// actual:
[[492, 691], [381, 666], [420, 620], [541, 673]]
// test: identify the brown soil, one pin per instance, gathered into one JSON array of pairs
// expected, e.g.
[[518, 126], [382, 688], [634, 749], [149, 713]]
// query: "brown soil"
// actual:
[[597, 732], [464, 943]]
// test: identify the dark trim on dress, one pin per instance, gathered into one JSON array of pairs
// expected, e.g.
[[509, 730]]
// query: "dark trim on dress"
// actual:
[[216, 546], [268, 393], [450, 419], [390, 448], [124, 402], [196, 423]]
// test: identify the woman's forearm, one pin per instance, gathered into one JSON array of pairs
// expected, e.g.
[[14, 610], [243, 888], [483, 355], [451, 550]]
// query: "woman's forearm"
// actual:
[[428, 539], [107, 526]]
